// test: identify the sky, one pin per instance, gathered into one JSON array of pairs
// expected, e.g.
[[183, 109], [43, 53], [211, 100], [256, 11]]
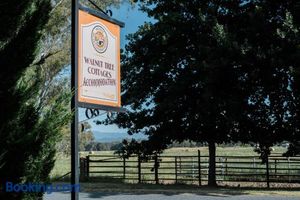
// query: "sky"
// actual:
[[133, 18]]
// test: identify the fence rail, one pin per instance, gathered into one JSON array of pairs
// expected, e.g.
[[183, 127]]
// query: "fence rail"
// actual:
[[192, 169]]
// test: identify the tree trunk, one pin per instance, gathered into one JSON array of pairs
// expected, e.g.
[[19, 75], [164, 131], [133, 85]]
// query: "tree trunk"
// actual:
[[212, 164]]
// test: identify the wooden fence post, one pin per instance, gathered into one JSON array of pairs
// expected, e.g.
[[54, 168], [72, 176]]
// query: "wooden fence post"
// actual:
[[276, 167], [88, 166], [139, 169], [82, 168], [289, 166], [268, 174], [175, 169], [254, 165], [179, 165], [124, 168], [156, 165], [226, 167], [199, 168]]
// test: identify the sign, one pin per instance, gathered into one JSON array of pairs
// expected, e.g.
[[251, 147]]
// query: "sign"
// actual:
[[98, 61]]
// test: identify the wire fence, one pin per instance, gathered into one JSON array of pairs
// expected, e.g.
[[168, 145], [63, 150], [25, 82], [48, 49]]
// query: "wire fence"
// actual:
[[192, 169]]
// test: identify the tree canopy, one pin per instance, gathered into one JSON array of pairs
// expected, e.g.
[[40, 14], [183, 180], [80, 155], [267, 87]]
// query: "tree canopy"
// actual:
[[212, 71], [34, 48], [27, 152]]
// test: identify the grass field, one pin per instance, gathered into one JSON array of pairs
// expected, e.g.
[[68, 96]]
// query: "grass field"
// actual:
[[106, 182], [62, 165]]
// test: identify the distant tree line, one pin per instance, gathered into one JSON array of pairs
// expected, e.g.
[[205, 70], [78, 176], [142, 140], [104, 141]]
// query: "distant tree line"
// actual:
[[103, 146]]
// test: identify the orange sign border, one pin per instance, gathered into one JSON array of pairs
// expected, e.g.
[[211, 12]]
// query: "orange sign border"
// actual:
[[86, 18]]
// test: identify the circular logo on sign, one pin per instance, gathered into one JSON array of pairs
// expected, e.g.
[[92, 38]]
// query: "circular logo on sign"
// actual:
[[99, 39]]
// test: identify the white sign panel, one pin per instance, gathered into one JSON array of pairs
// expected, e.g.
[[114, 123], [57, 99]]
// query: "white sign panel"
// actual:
[[99, 71]]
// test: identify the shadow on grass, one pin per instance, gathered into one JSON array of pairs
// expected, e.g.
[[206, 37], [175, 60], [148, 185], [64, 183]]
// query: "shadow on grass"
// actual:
[[101, 187], [104, 187]]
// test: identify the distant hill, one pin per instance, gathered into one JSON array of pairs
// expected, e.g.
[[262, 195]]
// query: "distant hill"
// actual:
[[115, 136]]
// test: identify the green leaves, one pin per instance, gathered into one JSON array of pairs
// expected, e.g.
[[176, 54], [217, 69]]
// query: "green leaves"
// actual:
[[213, 71]]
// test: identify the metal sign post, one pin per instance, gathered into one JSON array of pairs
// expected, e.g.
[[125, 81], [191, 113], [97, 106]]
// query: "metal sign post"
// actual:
[[74, 106], [95, 71]]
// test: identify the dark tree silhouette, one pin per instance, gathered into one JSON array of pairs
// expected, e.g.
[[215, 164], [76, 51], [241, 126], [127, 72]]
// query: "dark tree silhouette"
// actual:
[[212, 71]]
